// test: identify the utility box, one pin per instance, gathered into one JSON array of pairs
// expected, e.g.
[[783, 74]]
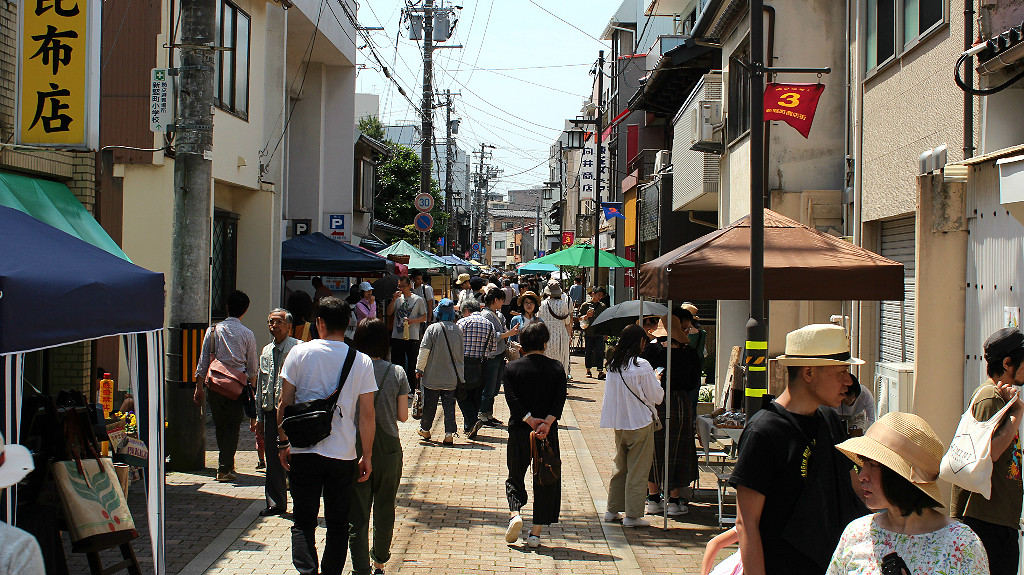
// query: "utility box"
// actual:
[[893, 387]]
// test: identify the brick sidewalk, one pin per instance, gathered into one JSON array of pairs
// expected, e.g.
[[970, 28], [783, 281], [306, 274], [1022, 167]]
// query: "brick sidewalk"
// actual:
[[452, 511]]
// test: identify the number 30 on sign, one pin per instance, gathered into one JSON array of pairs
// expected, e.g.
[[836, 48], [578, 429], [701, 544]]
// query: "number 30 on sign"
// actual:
[[794, 104]]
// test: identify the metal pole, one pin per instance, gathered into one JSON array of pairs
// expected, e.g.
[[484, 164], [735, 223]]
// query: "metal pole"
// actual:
[[668, 413], [427, 106], [536, 233], [448, 176], [600, 161], [757, 337], [189, 293]]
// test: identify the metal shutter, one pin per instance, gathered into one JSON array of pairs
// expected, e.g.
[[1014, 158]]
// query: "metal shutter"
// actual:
[[896, 343]]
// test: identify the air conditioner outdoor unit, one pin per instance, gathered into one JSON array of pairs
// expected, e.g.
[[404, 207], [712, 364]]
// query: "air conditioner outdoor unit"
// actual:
[[662, 160], [894, 387], [705, 126]]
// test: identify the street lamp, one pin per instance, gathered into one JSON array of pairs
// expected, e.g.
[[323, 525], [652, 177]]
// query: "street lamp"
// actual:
[[576, 137]]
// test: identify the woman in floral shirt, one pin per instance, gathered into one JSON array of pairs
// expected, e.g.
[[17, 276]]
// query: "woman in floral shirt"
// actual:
[[897, 463]]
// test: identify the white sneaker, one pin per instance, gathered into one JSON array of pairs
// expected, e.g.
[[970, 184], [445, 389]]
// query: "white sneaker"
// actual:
[[533, 541], [515, 526], [635, 522], [655, 507], [677, 509], [610, 517]]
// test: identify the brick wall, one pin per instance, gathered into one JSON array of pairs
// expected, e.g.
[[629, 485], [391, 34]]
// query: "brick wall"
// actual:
[[70, 365]]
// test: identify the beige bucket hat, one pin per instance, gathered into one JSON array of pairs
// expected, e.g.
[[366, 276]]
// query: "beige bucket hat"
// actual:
[[904, 443], [818, 344]]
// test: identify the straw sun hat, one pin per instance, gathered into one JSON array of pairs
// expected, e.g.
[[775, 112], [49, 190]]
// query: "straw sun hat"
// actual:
[[818, 344], [904, 443], [531, 295]]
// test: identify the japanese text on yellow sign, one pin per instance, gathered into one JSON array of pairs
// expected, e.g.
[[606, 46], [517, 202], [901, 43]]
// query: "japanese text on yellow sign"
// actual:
[[54, 63]]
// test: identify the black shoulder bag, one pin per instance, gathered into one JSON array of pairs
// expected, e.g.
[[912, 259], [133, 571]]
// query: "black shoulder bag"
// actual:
[[309, 422]]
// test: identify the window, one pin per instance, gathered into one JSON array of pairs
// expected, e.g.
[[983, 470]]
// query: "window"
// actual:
[[738, 120], [548, 193], [364, 195], [231, 89], [507, 225], [893, 26], [225, 261], [499, 245]]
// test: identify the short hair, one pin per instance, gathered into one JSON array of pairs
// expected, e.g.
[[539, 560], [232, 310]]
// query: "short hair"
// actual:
[[506, 282], [425, 276], [472, 305], [994, 365], [238, 303], [416, 273], [682, 314], [903, 494], [335, 313], [793, 372], [372, 338], [288, 317], [317, 281], [404, 280], [494, 294], [651, 320], [300, 304], [534, 336]]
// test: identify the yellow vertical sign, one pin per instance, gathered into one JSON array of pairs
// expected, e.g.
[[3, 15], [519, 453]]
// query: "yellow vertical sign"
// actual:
[[54, 63]]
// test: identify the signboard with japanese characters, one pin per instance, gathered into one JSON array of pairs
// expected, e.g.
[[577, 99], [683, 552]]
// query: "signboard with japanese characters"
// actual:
[[589, 169], [159, 101], [794, 104], [335, 228], [58, 73]]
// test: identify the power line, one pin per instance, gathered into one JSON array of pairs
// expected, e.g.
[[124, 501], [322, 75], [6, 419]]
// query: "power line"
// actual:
[[569, 23]]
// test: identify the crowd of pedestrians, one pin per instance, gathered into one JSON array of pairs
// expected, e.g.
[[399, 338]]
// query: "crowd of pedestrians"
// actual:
[[820, 485]]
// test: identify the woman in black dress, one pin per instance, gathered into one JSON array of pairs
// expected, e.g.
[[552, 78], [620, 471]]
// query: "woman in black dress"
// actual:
[[535, 389], [682, 455]]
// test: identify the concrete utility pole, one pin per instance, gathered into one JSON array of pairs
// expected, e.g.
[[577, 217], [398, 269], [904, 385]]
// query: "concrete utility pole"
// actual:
[[600, 162], [482, 177], [427, 107], [189, 292], [449, 144]]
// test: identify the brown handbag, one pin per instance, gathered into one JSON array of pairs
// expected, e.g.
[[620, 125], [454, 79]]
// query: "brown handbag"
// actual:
[[547, 467], [222, 379]]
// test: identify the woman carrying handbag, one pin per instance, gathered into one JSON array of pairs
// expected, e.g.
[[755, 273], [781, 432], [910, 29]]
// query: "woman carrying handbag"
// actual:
[[535, 390], [440, 368]]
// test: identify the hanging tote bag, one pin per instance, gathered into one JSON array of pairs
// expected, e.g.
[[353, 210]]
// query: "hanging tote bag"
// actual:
[[222, 379], [94, 504], [968, 461]]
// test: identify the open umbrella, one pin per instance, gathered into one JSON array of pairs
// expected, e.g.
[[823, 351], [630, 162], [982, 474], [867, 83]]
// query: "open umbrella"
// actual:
[[582, 255], [534, 267], [614, 319]]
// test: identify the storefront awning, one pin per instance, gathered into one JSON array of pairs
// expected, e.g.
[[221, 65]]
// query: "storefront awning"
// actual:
[[53, 203]]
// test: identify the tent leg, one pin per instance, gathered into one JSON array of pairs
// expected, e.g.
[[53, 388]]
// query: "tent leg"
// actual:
[[668, 412]]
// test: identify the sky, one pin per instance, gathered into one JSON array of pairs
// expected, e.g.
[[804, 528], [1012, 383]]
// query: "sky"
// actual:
[[521, 73]]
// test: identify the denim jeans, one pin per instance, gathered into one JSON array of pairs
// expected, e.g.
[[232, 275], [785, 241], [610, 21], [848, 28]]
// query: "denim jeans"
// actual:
[[430, 397], [313, 475], [494, 368]]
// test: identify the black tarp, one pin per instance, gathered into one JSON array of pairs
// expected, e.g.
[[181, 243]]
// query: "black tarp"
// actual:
[[318, 254]]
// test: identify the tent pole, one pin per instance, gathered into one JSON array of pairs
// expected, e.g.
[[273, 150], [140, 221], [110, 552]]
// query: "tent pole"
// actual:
[[668, 414]]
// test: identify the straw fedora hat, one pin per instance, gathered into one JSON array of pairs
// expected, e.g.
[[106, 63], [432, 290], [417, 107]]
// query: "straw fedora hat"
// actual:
[[463, 278], [904, 443], [691, 308], [531, 295], [818, 344]]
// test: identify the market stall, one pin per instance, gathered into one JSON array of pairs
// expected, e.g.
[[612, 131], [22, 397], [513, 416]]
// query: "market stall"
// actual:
[[56, 289]]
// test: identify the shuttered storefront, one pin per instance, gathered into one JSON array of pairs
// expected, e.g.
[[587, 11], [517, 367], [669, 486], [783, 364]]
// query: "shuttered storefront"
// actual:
[[896, 341]]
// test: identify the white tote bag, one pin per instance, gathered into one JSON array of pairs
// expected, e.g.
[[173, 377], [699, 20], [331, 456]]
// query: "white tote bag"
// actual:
[[968, 461]]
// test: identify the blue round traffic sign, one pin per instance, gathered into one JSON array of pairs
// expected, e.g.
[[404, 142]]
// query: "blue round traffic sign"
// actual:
[[476, 247], [423, 222]]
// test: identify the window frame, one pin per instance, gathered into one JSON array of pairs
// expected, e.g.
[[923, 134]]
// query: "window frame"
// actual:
[[219, 99], [226, 268], [497, 246], [738, 95], [901, 45]]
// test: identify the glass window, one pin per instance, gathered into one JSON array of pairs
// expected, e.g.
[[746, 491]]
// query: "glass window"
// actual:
[[886, 39], [738, 120], [499, 245], [881, 31], [232, 86], [918, 17]]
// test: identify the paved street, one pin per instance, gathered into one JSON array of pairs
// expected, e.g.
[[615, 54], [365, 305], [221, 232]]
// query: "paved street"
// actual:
[[451, 511]]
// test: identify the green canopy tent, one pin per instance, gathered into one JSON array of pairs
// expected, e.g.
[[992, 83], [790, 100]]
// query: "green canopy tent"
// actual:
[[418, 260], [582, 255]]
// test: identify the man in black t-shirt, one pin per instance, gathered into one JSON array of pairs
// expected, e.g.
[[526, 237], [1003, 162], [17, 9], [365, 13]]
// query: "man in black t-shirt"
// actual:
[[794, 491]]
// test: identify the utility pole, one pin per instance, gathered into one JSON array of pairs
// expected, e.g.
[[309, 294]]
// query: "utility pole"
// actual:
[[449, 144], [189, 293], [427, 107], [482, 178], [600, 162]]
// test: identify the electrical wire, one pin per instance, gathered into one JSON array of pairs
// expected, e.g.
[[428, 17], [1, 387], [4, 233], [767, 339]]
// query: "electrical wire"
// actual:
[[116, 36], [981, 91], [487, 26], [577, 28]]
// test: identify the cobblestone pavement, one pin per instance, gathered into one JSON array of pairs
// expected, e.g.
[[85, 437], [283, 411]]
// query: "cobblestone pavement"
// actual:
[[452, 511]]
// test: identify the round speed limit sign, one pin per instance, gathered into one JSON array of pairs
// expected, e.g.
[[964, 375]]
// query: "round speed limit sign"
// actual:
[[424, 202]]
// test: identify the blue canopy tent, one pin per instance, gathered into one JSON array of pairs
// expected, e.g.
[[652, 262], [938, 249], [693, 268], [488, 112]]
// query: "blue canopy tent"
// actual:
[[57, 289], [317, 254]]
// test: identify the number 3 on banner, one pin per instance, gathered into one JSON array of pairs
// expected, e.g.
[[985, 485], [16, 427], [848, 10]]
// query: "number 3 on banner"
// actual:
[[789, 100]]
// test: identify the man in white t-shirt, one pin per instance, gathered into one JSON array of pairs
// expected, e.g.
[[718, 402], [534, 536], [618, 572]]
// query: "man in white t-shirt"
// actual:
[[410, 315], [312, 371]]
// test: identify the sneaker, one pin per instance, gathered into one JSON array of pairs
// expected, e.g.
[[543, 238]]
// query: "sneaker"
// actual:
[[261, 465], [655, 507], [677, 509], [635, 522], [600, 375], [424, 434], [449, 439], [225, 476], [515, 526], [475, 429], [588, 373], [533, 541], [610, 517]]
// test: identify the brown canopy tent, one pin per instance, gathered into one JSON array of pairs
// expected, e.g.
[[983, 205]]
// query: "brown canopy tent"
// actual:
[[799, 264]]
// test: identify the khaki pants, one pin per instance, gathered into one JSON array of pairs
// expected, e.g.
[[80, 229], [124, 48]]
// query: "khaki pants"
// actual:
[[634, 453]]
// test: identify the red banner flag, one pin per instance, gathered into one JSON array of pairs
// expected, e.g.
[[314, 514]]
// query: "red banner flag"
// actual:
[[568, 238], [794, 104]]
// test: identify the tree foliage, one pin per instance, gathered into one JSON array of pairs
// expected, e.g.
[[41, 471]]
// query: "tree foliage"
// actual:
[[397, 187]]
